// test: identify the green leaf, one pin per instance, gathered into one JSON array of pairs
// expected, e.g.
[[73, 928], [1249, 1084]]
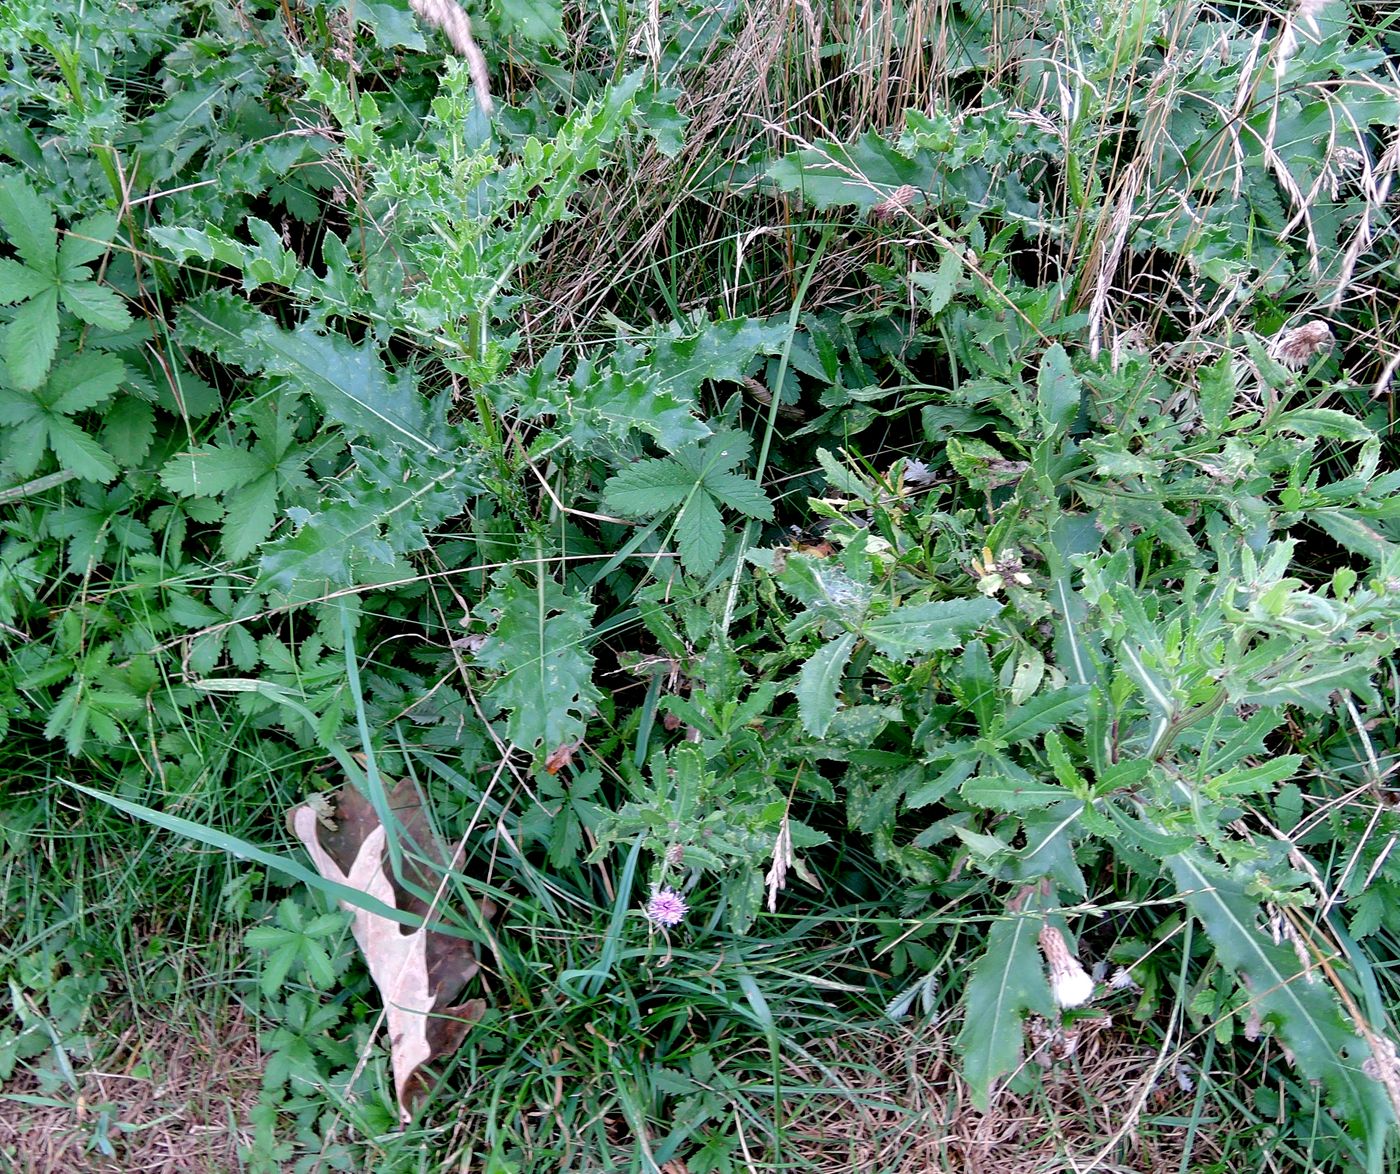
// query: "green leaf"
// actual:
[[1045, 712], [740, 493], [96, 305], [19, 282], [251, 512], [87, 240], [540, 21], [1218, 384], [84, 382], [976, 685], [1002, 793], [700, 534], [940, 285], [28, 221], [539, 647], [1007, 982], [820, 681], [128, 428], [1057, 390], [917, 629], [350, 383], [648, 487], [32, 339], [211, 470], [79, 452], [860, 175], [1300, 1006]]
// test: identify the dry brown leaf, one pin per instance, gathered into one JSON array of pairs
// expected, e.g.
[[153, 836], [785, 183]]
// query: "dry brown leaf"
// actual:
[[419, 973]]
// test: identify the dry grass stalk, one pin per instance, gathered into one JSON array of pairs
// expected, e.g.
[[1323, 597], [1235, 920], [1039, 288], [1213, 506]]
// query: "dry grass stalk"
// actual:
[[448, 16]]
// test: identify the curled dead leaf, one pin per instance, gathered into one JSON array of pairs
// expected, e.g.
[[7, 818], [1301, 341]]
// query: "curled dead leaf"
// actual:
[[420, 973]]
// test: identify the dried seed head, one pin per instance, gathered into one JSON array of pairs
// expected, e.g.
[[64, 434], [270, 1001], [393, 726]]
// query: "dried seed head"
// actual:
[[1296, 347], [450, 17], [1070, 983], [890, 207]]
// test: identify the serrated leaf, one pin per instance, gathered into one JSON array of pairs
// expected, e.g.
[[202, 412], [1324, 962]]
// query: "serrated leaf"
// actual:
[[1218, 384], [819, 682], [539, 646], [740, 493], [96, 305], [1007, 983], [860, 174], [87, 240], [79, 452], [999, 792], [1302, 1008], [84, 382], [700, 534], [540, 21], [349, 382], [128, 428], [31, 339], [648, 487], [917, 629], [19, 282], [1046, 712], [211, 470], [251, 512], [939, 286], [976, 685], [28, 221], [1057, 390]]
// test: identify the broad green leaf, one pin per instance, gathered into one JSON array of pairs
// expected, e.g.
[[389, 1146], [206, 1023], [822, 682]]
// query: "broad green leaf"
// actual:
[[128, 428], [79, 452], [975, 685], [84, 381], [1057, 390], [251, 512], [1301, 1007], [539, 647], [539, 21], [648, 487], [700, 534], [860, 175], [915, 629], [31, 339], [1001, 793], [1007, 983], [1219, 382], [96, 305], [349, 382], [1045, 712], [28, 221], [820, 681], [19, 282], [211, 470], [939, 286], [87, 240], [740, 493]]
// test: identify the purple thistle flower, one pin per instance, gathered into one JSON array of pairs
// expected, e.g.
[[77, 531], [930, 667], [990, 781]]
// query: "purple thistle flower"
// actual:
[[666, 908]]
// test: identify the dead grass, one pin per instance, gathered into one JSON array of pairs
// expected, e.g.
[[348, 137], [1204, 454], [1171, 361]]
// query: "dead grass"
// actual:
[[891, 1102], [171, 1097]]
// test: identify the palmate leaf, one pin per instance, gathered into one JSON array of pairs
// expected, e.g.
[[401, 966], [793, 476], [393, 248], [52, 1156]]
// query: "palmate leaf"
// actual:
[[1007, 983], [696, 479], [539, 647], [32, 339], [28, 221], [1300, 1006]]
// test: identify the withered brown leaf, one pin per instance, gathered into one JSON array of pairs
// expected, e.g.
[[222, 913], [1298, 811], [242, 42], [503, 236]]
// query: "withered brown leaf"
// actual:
[[420, 973]]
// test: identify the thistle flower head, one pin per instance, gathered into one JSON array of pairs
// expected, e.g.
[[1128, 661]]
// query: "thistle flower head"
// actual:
[[1070, 983], [666, 908], [1296, 347]]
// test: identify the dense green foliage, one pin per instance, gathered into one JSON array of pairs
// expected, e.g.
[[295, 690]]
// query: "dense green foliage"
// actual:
[[900, 538]]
